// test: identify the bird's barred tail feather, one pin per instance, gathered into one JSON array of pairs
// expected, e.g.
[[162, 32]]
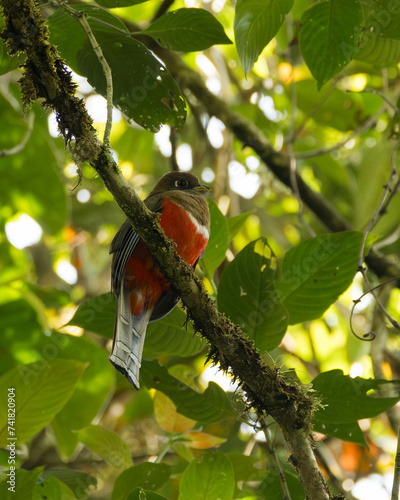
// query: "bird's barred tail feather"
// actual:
[[129, 336]]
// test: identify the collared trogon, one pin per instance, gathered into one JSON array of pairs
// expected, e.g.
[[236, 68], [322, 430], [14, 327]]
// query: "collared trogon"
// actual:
[[143, 293]]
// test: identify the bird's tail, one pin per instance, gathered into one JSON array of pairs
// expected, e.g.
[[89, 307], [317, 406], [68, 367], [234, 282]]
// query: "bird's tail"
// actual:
[[129, 336]]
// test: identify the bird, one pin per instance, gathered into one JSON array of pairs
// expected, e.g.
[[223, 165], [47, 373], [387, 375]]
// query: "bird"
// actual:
[[142, 292]]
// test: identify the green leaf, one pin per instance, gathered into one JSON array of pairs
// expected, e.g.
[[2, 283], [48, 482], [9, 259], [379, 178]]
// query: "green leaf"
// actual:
[[256, 24], [112, 4], [380, 39], [107, 444], [41, 390], [91, 392], [346, 431], [166, 336], [347, 400], [14, 263], [271, 487], [22, 339], [10, 136], [383, 21], [245, 468], [371, 177], [187, 30], [147, 476], [170, 337], [24, 484], [26, 189], [236, 223], [341, 110], [208, 476], [217, 244], [247, 295], [316, 272], [142, 87], [329, 36], [20, 330], [139, 406], [209, 406], [52, 487], [69, 36], [78, 482], [52, 298], [97, 315], [7, 62], [140, 494], [379, 51]]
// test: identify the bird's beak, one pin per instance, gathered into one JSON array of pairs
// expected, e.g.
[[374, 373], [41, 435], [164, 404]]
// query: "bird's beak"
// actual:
[[203, 189]]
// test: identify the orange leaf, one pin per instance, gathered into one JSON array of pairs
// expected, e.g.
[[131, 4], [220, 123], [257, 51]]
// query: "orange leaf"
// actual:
[[202, 441]]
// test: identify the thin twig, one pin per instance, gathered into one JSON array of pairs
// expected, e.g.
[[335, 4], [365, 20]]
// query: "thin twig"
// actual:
[[295, 134], [250, 445], [396, 478], [358, 131], [371, 335], [391, 238], [378, 212], [326, 459], [293, 162], [173, 141], [390, 318], [19, 147], [81, 18], [396, 233], [296, 192], [272, 452], [382, 96], [392, 194]]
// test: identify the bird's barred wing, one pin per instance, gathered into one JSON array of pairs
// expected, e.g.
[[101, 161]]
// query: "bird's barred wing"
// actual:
[[123, 244], [121, 247]]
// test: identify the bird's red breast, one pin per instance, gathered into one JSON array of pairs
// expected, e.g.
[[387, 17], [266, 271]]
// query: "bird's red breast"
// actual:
[[142, 275]]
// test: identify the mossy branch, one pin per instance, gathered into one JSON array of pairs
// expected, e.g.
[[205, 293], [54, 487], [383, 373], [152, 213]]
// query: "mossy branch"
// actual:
[[45, 77]]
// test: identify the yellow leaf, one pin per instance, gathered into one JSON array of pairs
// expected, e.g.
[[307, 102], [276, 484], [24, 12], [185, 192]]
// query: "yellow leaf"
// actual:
[[167, 416]]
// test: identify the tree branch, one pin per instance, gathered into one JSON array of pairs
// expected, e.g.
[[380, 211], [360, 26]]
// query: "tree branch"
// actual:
[[250, 135], [278, 163], [396, 478], [288, 402], [81, 18]]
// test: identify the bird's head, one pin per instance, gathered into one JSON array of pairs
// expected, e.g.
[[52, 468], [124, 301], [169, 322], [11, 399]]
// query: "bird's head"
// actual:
[[181, 181]]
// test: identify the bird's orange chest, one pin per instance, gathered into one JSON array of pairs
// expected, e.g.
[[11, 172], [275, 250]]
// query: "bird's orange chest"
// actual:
[[142, 276], [189, 236]]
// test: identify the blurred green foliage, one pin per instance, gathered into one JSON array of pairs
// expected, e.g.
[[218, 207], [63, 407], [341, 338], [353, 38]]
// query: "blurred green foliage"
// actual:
[[83, 432]]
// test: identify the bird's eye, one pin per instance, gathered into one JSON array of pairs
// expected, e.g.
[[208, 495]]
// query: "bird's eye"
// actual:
[[181, 183]]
